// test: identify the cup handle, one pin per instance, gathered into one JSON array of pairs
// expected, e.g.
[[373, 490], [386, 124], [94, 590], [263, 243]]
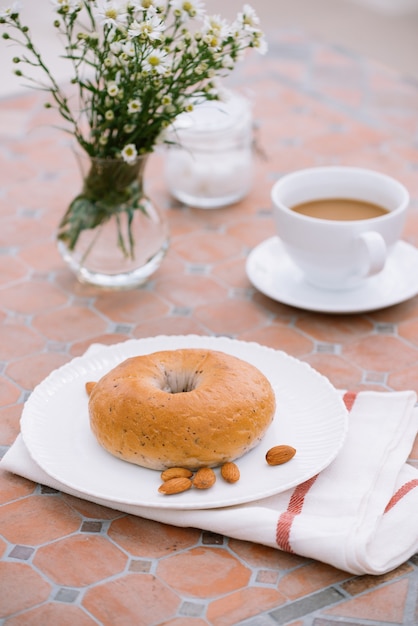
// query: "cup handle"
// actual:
[[374, 252]]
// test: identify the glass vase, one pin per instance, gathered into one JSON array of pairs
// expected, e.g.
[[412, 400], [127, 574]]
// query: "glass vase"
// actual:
[[112, 234]]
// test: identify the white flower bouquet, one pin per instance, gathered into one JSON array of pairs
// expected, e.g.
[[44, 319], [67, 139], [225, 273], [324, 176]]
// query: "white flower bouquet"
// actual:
[[137, 65]]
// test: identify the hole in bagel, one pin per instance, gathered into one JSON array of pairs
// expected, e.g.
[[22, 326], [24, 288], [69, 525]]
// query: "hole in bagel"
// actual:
[[180, 382]]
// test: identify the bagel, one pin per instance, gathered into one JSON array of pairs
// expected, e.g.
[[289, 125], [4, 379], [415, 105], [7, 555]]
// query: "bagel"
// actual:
[[188, 407]]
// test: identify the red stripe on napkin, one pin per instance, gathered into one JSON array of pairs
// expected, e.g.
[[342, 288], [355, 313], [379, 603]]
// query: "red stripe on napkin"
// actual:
[[349, 399], [297, 499], [294, 508], [406, 488]]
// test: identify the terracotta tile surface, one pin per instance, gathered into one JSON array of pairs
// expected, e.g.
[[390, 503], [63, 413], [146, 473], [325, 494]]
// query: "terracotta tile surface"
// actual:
[[242, 605], [310, 578], [65, 561], [141, 537], [14, 487], [22, 588], [10, 420], [382, 605], [62, 614], [31, 370], [206, 572], [132, 599], [80, 560]]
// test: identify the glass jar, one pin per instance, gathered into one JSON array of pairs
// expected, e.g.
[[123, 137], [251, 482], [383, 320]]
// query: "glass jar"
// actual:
[[210, 161], [112, 235]]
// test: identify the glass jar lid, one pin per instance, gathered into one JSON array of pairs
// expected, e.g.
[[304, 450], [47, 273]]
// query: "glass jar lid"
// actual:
[[214, 117]]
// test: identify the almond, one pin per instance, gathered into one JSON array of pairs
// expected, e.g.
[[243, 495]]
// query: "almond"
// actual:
[[204, 478], [230, 472], [280, 454], [176, 472], [175, 485], [89, 387]]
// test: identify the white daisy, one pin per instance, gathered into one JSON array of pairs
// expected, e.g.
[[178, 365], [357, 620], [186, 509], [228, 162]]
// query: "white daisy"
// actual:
[[129, 153], [109, 61], [116, 47], [134, 106], [133, 4], [248, 18], [156, 61], [213, 40], [260, 43], [111, 13], [189, 8], [112, 89], [215, 31], [215, 24], [151, 5], [68, 6], [150, 28], [129, 49], [13, 9]]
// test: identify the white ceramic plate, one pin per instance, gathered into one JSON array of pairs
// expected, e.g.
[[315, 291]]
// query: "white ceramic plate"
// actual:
[[272, 272], [310, 416]]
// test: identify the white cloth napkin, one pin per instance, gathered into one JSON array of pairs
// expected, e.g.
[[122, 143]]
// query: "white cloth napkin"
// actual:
[[360, 514]]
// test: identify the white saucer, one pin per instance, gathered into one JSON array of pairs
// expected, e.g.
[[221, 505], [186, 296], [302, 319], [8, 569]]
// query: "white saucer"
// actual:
[[272, 272]]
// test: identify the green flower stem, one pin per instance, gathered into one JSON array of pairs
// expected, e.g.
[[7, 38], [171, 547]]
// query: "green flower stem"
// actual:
[[111, 188]]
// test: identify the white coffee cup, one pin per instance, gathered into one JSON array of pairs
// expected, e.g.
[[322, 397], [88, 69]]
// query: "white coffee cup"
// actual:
[[339, 254]]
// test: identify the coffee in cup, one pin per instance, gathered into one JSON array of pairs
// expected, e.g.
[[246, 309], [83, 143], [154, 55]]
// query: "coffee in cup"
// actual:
[[339, 224], [340, 209]]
